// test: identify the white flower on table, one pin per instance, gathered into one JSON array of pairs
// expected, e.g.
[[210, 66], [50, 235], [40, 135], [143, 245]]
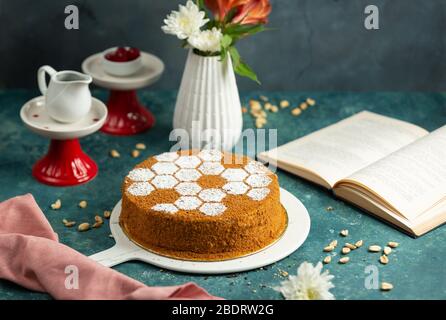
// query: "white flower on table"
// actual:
[[207, 40], [185, 22], [309, 284]]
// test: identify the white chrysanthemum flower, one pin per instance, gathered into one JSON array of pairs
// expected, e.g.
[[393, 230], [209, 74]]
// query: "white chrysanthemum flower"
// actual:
[[309, 284], [207, 40], [185, 22]]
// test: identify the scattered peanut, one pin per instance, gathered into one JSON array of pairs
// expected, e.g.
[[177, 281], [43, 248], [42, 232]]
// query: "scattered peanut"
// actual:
[[56, 205], [83, 227], [345, 250], [140, 146], [359, 243], [384, 259], [260, 114], [283, 273], [344, 233], [303, 105], [334, 243], [68, 224], [268, 106], [261, 119], [393, 244], [311, 102], [386, 286], [284, 104], [350, 246], [387, 250], [263, 98], [107, 214], [296, 112], [98, 222], [83, 204], [260, 123], [344, 260], [114, 153], [135, 153], [327, 259], [374, 248], [274, 109], [255, 105], [244, 109], [328, 249]]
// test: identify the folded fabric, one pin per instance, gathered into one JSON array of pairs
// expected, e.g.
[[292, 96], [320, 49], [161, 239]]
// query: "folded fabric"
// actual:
[[31, 256]]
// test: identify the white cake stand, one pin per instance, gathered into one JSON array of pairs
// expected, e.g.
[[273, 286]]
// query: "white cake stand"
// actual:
[[126, 115], [65, 164], [293, 237]]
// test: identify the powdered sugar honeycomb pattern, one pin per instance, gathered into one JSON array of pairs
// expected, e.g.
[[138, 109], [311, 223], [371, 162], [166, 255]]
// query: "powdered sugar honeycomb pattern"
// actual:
[[165, 207], [188, 203], [172, 171], [164, 168], [188, 188], [212, 195], [188, 175], [211, 168], [141, 175], [164, 182], [234, 174], [188, 162], [141, 189], [236, 188]]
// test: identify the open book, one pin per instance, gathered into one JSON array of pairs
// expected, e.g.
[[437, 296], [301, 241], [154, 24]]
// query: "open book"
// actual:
[[390, 168]]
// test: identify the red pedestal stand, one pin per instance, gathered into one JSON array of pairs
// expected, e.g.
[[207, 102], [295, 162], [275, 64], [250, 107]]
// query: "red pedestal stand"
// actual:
[[65, 164], [126, 115]]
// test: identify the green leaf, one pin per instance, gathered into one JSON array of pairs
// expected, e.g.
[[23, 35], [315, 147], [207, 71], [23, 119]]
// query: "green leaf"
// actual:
[[240, 67], [239, 30], [245, 71], [200, 5], [223, 54], [225, 44], [226, 41], [235, 55]]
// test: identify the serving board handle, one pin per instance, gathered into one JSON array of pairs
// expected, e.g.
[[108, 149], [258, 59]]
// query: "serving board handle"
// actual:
[[114, 256]]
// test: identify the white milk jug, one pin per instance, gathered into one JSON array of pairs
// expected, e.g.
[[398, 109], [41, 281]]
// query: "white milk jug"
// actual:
[[67, 96]]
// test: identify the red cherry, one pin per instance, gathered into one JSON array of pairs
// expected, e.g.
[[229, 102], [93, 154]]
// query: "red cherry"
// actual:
[[110, 56], [133, 53], [123, 54], [120, 55], [121, 51]]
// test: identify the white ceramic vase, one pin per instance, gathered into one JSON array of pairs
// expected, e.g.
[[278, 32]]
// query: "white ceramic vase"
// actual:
[[208, 105]]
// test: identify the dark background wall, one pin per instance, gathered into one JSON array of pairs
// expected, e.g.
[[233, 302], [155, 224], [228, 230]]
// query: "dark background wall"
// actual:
[[315, 44]]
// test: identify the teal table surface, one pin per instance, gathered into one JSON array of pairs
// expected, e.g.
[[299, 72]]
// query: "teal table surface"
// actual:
[[416, 268]]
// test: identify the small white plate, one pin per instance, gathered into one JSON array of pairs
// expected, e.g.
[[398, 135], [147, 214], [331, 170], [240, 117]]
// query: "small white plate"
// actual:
[[36, 118], [293, 237], [150, 72]]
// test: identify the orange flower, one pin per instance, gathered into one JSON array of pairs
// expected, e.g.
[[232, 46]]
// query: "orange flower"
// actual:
[[247, 11]]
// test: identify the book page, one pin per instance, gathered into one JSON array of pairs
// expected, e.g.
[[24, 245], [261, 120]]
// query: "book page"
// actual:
[[412, 179], [339, 150]]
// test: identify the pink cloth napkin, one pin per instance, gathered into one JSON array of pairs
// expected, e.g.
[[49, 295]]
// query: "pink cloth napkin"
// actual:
[[31, 256]]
